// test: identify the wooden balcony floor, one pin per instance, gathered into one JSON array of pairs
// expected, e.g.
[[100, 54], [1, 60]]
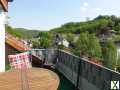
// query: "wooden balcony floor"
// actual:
[[30, 79]]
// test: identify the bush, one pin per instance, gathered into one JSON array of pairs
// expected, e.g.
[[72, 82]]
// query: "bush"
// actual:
[[94, 47], [88, 45], [110, 55]]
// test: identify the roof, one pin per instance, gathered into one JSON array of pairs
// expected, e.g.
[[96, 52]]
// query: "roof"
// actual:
[[15, 43], [4, 4]]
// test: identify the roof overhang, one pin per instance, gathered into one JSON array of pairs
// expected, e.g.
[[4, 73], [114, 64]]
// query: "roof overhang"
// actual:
[[4, 4]]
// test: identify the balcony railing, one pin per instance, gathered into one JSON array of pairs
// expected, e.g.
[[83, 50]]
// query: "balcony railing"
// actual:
[[83, 74]]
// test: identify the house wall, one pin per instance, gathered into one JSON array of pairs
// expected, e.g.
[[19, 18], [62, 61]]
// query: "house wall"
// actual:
[[9, 51], [2, 40]]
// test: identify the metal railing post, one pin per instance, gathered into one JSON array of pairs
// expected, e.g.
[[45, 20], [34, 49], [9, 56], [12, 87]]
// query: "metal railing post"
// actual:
[[78, 75]]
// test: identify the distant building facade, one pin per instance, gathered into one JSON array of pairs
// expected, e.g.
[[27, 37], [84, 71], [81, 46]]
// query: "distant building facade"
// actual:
[[61, 41]]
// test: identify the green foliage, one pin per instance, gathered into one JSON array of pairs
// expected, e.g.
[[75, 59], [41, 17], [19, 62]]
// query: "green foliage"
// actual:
[[110, 55], [43, 41], [94, 47], [60, 46], [116, 38], [44, 38], [44, 35], [12, 31], [92, 26], [88, 45], [82, 44], [70, 38], [7, 66], [117, 28], [22, 33], [35, 44]]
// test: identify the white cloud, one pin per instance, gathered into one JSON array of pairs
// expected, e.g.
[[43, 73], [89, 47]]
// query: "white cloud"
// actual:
[[98, 9], [84, 7], [85, 4]]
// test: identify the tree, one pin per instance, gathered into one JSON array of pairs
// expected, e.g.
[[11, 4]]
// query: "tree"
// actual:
[[44, 40], [96, 25], [35, 44], [44, 43], [94, 47], [71, 39], [117, 28], [88, 45], [110, 54], [10, 30], [82, 44]]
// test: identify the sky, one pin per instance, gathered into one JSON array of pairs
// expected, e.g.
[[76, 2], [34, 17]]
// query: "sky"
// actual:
[[48, 14]]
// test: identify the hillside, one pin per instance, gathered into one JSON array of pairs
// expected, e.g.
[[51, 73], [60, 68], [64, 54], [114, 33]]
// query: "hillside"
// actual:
[[100, 24], [22, 33]]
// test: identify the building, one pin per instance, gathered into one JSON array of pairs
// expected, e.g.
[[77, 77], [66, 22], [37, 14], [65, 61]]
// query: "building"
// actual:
[[59, 40], [13, 46], [65, 43], [3, 12]]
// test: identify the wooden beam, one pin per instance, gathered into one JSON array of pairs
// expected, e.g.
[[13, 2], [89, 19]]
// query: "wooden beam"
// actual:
[[4, 4]]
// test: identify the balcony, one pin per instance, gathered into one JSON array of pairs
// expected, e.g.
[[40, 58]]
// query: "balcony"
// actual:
[[81, 73]]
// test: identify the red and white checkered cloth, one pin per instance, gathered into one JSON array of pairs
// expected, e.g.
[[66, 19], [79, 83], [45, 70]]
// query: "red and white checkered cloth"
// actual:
[[20, 61]]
